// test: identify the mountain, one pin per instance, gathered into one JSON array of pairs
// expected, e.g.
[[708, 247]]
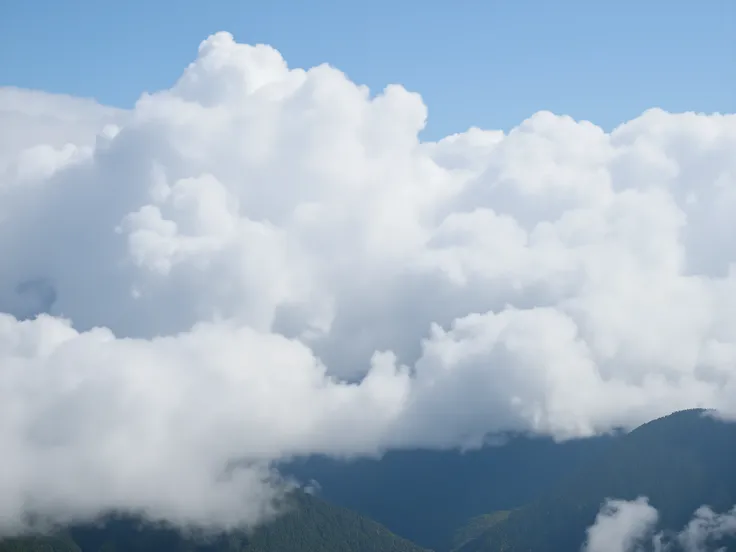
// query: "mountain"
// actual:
[[312, 525], [425, 496], [477, 526], [679, 462]]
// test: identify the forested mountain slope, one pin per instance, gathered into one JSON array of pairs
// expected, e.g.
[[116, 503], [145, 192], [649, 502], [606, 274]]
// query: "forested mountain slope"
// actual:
[[680, 462], [426, 495], [311, 526]]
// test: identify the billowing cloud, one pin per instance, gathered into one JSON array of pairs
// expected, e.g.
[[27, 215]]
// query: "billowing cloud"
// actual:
[[631, 526], [43, 131], [622, 526], [706, 529], [263, 262]]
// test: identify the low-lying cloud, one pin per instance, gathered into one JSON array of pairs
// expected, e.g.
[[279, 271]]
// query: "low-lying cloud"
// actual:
[[631, 526], [264, 262]]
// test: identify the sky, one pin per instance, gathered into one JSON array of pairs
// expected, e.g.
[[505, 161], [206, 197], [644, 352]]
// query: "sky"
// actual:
[[487, 63], [261, 259]]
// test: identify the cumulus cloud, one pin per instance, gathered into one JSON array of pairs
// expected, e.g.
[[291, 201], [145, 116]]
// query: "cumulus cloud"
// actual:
[[629, 526], [622, 526], [42, 131], [264, 262]]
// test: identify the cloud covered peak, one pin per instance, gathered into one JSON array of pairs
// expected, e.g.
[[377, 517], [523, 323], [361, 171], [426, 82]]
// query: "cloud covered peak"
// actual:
[[263, 262]]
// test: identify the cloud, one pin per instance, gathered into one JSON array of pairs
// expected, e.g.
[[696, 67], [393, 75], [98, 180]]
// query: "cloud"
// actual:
[[92, 423], [706, 527], [629, 526], [41, 131], [264, 262], [622, 526]]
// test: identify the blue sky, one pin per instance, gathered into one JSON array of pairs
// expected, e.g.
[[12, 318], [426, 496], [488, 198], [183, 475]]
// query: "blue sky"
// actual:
[[484, 63]]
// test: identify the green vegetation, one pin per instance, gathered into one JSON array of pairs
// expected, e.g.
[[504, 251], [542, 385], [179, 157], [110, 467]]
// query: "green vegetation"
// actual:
[[680, 462], [426, 495], [39, 544], [319, 527], [311, 526], [477, 526]]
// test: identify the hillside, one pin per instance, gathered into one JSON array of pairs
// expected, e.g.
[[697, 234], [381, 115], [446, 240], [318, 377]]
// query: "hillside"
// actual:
[[680, 462], [477, 526], [426, 495], [312, 526]]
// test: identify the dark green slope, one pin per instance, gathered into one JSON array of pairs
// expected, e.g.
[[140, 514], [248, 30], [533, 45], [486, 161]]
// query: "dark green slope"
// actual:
[[39, 544], [320, 527], [312, 525], [426, 495], [680, 462], [477, 526]]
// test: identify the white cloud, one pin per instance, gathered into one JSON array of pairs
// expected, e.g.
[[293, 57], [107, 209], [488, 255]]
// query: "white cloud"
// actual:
[[42, 130], [705, 527], [257, 237], [90, 421], [629, 526], [622, 526]]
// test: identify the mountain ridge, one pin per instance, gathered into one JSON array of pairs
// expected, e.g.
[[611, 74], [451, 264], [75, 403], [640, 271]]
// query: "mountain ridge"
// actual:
[[308, 525], [680, 462]]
